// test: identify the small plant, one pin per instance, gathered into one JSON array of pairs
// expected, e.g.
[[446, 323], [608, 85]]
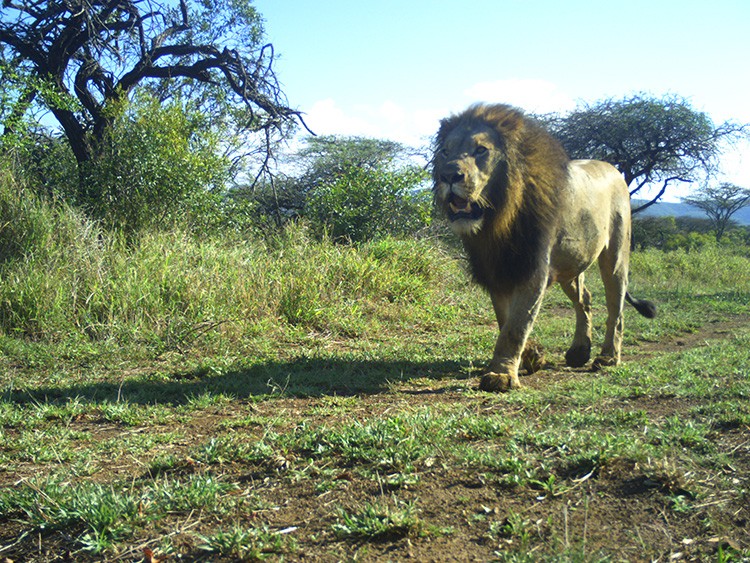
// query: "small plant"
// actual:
[[379, 520], [513, 528], [728, 554], [549, 486], [197, 492], [666, 475], [247, 543], [207, 400], [680, 503], [400, 481], [168, 463], [105, 514]]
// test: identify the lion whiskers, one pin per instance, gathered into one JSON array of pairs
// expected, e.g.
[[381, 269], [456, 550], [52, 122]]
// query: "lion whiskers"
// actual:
[[484, 203]]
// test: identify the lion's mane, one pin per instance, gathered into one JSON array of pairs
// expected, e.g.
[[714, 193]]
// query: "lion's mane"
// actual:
[[522, 190]]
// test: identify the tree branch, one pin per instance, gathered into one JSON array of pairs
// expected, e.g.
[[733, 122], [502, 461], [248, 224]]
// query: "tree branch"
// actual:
[[99, 50], [657, 197]]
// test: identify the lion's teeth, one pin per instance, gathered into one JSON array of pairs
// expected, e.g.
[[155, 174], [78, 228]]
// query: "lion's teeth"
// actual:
[[465, 209]]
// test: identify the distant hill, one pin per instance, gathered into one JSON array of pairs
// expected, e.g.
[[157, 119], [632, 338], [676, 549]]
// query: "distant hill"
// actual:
[[671, 209]]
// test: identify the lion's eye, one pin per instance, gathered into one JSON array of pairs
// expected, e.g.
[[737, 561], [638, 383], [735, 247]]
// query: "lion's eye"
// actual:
[[480, 150]]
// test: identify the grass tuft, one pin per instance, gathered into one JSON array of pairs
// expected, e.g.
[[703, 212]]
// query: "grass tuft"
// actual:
[[379, 520]]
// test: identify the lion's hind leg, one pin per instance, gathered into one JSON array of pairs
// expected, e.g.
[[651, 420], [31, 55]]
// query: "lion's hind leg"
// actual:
[[532, 357], [613, 269], [579, 352]]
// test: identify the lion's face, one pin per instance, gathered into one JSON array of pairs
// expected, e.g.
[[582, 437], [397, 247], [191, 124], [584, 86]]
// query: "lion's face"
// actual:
[[466, 159]]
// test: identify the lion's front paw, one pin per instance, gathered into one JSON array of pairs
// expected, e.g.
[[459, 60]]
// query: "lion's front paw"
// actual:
[[499, 382], [603, 362]]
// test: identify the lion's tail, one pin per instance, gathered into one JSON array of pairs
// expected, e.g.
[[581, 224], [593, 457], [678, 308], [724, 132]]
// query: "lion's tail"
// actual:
[[645, 308]]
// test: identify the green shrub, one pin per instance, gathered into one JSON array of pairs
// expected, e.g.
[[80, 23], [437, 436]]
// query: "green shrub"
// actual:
[[157, 163], [686, 233], [24, 224], [367, 203], [709, 269], [653, 232], [689, 241]]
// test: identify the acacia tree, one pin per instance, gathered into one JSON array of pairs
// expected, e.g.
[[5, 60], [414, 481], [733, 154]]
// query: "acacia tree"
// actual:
[[326, 158], [649, 140], [719, 203], [79, 59], [354, 188]]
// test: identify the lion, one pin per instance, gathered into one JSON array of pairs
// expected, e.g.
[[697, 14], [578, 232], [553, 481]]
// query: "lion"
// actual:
[[528, 217]]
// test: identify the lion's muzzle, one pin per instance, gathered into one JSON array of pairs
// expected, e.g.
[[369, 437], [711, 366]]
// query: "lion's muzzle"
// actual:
[[452, 174], [458, 207]]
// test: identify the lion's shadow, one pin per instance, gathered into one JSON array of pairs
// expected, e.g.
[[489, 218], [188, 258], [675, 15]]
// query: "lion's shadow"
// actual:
[[309, 377]]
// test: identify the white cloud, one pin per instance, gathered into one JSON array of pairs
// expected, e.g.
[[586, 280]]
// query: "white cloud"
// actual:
[[325, 117], [735, 165], [388, 120], [537, 96], [414, 126]]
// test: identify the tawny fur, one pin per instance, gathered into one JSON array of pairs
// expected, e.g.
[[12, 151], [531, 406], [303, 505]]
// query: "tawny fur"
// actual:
[[528, 217]]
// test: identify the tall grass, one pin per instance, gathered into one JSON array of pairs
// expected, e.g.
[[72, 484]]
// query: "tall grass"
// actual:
[[62, 277], [708, 270]]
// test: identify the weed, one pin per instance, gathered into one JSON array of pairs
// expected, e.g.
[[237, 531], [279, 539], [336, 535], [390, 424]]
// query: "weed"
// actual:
[[680, 503], [389, 444], [396, 481], [379, 520], [196, 492], [248, 544], [105, 514], [208, 399], [514, 530], [549, 486]]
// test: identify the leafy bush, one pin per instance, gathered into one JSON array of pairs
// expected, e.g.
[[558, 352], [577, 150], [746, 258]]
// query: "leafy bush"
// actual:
[[653, 232], [363, 203], [689, 241], [683, 233], [158, 163], [44, 164]]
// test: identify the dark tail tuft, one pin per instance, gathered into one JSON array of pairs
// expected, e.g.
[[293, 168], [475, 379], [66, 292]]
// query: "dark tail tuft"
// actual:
[[645, 308]]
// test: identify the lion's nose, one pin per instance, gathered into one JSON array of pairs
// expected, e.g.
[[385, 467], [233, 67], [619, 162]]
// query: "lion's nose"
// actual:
[[452, 175]]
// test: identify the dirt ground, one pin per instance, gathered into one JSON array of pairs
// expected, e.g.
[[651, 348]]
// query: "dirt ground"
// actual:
[[621, 511]]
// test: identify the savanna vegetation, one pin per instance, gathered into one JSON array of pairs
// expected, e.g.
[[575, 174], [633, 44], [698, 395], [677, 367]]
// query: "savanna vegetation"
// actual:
[[247, 394], [688, 233], [202, 361]]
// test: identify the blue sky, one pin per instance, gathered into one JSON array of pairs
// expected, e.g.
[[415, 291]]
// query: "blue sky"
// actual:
[[392, 69]]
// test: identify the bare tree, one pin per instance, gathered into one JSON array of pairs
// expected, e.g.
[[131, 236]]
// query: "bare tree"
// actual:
[[651, 141], [719, 203], [79, 58]]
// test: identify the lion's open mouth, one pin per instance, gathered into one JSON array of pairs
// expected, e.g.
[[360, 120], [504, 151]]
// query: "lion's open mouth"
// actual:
[[460, 208]]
